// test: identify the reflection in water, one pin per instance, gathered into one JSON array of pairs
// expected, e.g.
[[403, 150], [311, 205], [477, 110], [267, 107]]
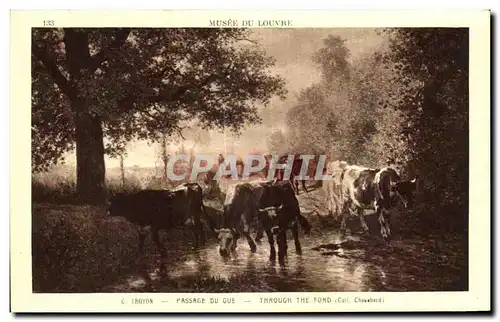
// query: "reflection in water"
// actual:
[[338, 271]]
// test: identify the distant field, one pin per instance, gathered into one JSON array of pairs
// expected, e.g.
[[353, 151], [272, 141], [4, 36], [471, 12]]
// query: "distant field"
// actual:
[[59, 184]]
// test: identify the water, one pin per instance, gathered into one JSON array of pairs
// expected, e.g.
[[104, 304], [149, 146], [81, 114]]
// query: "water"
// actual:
[[320, 272]]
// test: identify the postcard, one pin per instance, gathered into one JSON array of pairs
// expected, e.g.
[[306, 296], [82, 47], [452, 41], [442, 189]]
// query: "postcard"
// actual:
[[250, 161]]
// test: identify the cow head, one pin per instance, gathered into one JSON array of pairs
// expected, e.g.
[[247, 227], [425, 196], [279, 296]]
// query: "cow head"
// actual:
[[278, 227], [404, 191], [228, 238]]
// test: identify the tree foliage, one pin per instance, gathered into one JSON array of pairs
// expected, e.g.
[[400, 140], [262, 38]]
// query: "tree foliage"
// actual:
[[405, 105], [436, 61], [277, 142], [143, 83], [338, 115]]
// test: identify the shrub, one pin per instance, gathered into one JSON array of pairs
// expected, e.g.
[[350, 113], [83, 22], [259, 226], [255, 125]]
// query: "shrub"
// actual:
[[74, 247]]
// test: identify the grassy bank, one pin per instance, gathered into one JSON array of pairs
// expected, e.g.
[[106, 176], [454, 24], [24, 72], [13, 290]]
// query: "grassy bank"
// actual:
[[77, 248], [80, 249]]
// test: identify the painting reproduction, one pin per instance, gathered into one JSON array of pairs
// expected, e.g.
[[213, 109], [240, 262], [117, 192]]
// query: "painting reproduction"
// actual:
[[226, 162]]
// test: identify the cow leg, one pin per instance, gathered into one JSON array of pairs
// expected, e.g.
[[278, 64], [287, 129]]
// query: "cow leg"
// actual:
[[192, 225], [233, 251], [381, 221], [304, 185], [345, 214], [329, 205], [272, 250], [361, 215], [156, 239], [246, 233], [199, 233], [259, 235], [282, 246], [385, 225], [295, 232], [328, 198], [251, 243], [196, 237], [142, 237], [343, 224], [388, 226], [260, 231], [199, 227], [295, 184]]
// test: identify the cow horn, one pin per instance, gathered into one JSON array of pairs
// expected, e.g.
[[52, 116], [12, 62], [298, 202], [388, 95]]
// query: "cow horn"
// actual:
[[309, 213]]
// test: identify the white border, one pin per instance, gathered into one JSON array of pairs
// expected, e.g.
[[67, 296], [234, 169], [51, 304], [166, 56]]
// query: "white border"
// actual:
[[478, 297]]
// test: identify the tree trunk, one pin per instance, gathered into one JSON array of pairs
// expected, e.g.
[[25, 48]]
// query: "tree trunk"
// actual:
[[164, 156], [122, 169], [90, 170], [90, 167]]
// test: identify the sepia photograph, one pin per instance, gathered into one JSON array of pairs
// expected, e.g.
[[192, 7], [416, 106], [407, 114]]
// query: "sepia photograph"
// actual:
[[250, 156]]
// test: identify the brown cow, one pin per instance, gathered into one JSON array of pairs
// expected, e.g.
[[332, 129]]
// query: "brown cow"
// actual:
[[294, 172]]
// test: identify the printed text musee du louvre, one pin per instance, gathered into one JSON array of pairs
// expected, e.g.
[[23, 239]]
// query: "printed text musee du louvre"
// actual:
[[250, 23]]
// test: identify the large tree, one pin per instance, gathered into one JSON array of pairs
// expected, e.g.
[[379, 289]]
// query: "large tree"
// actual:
[[96, 89]]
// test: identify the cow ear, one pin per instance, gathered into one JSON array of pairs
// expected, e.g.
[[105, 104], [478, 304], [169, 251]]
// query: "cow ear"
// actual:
[[235, 233], [216, 230]]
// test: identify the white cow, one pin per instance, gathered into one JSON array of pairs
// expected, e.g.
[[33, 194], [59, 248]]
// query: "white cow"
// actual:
[[333, 187]]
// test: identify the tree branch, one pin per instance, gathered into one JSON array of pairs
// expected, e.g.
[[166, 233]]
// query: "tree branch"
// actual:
[[179, 131], [175, 95], [120, 38], [50, 64], [249, 40]]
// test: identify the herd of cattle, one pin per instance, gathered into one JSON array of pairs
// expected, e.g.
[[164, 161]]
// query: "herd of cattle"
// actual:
[[263, 206]]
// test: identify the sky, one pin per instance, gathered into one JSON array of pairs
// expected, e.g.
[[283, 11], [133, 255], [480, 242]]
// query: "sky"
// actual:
[[292, 49]]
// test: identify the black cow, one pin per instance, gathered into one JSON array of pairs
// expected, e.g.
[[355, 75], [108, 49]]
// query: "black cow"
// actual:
[[374, 189], [163, 209]]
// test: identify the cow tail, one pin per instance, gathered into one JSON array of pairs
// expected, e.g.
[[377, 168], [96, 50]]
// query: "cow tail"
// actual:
[[304, 223], [210, 221], [201, 207], [342, 197], [384, 186]]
